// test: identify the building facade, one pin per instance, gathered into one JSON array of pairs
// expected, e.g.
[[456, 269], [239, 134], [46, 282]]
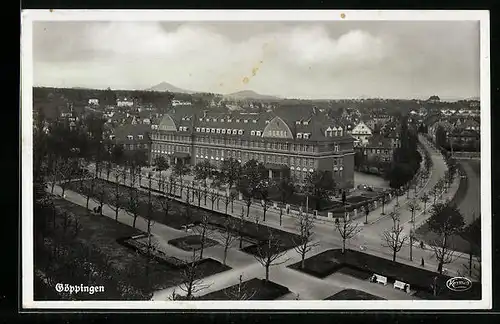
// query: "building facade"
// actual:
[[298, 142]]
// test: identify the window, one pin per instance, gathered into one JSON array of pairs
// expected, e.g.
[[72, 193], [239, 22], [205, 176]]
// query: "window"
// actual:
[[336, 148], [297, 122], [306, 122], [208, 119], [291, 160], [203, 130], [235, 132], [255, 121], [229, 120], [240, 132], [222, 120], [306, 136], [197, 129], [252, 133], [214, 120], [130, 137], [299, 135], [223, 131], [267, 121], [140, 137], [237, 120], [245, 121], [218, 130], [201, 119], [258, 133], [311, 163]]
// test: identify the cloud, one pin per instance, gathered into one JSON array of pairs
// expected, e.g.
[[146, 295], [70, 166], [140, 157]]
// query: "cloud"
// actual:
[[306, 59]]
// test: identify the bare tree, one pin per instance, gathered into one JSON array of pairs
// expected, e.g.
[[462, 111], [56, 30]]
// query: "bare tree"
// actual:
[[425, 199], [445, 221], [192, 284], [305, 225], [227, 236], [134, 203], [188, 214], [101, 195], [214, 195], [67, 172], [269, 253], [241, 225], [413, 206], [203, 231], [240, 291], [394, 238], [164, 203], [347, 229], [116, 196]]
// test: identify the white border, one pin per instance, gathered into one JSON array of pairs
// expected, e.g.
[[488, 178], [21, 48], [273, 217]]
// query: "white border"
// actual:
[[29, 16]]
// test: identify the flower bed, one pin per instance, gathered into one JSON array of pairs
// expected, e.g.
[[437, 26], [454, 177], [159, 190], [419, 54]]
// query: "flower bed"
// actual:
[[191, 242], [353, 294], [254, 289]]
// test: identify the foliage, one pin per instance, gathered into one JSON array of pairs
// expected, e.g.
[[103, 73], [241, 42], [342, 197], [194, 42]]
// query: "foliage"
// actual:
[[320, 185]]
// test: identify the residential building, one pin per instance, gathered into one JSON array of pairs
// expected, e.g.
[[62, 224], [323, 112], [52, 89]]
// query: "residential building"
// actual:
[[362, 133], [133, 137], [293, 139], [124, 102], [94, 102]]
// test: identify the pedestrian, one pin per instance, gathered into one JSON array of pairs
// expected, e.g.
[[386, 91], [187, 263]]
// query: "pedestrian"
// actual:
[[422, 263], [422, 245]]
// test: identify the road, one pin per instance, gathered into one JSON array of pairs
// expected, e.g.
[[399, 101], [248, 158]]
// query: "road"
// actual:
[[470, 204]]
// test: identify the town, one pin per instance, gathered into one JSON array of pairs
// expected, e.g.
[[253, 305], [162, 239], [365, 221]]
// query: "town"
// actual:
[[163, 195]]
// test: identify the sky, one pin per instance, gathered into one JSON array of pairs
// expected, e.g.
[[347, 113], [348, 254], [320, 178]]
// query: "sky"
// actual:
[[315, 60]]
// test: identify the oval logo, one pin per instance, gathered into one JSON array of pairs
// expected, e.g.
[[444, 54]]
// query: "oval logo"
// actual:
[[459, 284]]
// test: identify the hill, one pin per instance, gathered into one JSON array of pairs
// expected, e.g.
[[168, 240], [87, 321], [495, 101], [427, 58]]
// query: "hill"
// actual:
[[165, 86], [249, 94]]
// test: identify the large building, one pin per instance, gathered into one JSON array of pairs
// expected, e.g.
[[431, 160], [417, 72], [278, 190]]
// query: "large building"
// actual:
[[295, 139]]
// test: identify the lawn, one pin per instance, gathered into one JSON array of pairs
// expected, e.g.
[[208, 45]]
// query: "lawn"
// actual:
[[254, 289], [330, 261], [176, 217], [353, 294], [191, 242], [97, 247]]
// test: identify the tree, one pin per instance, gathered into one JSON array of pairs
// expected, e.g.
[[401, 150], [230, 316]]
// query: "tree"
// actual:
[[394, 238], [230, 172], [425, 198], [252, 175], [320, 185], [367, 212], [263, 193], [445, 221], [384, 200], [164, 203], [68, 171], [472, 234], [161, 165], [203, 231], [269, 253], [347, 229], [101, 195], [434, 192], [116, 196], [227, 236], [240, 291], [413, 206], [203, 171], [214, 196], [286, 189], [241, 225], [180, 170], [191, 283], [134, 203], [109, 167], [305, 225]]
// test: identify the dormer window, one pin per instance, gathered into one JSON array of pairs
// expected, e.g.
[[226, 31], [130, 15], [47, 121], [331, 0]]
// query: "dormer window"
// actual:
[[237, 120], [252, 133], [222, 120], [299, 135], [130, 137], [111, 137], [235, 131], [213, 130], [245, 121], [240, 132], [255, 121], [218, 130], [229, 120], [214, 120], [306, 122], [201, 119], [197, 129], [306, 136], [297, 122], [267, 121], [203, 129], [140, 136], [223, 131], [258, 133], [207, 120]]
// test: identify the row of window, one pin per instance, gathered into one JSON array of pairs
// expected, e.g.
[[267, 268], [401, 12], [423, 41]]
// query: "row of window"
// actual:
[[229, 120], [220, 131], [170, 148]]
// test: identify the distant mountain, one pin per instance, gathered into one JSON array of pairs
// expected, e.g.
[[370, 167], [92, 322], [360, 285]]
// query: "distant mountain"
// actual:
[[249, 94], [165, 86]]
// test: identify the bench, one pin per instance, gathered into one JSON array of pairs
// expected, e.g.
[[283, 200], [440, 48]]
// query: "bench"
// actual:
[[402, 285], [379, 279]]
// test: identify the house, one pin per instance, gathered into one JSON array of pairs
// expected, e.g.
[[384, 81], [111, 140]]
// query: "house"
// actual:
[[93, 102], [362, 133], [379, 149], [133, 137], [124, 102], [180, 103]]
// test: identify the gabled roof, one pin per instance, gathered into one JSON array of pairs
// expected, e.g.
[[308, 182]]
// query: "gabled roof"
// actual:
[[121, 133], [379, 141]]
